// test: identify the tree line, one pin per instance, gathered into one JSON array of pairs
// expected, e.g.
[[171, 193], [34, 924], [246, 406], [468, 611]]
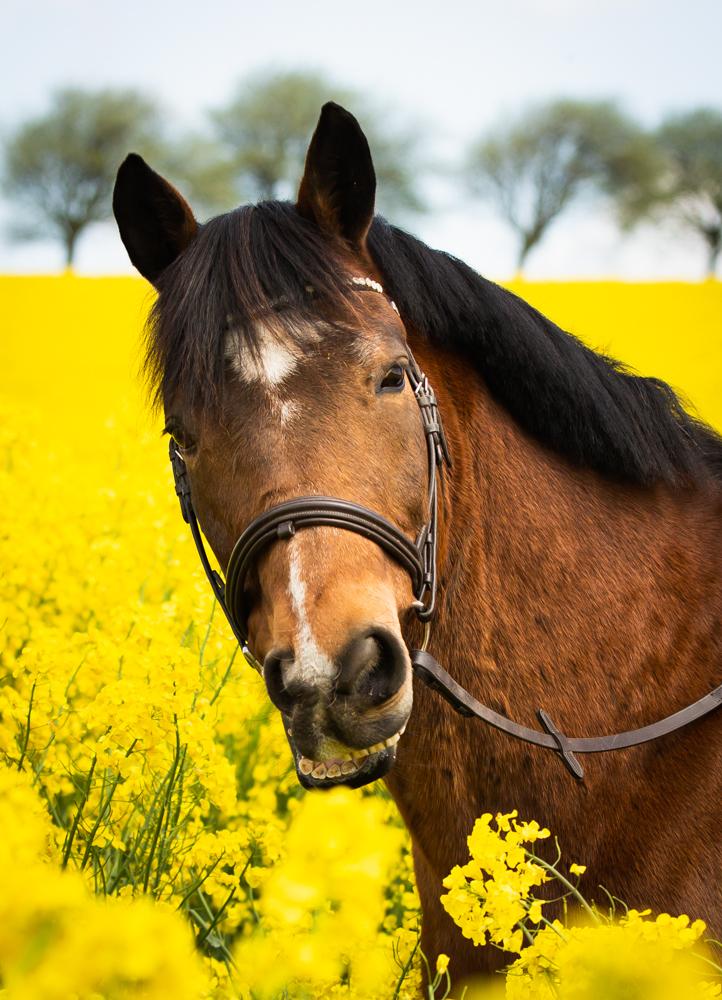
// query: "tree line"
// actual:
[[58, 168]]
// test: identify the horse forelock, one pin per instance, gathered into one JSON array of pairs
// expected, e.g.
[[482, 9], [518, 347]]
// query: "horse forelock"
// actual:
[[250, 288]]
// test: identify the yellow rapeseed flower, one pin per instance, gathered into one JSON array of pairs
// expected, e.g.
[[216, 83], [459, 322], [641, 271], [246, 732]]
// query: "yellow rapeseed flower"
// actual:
[[142, 757]]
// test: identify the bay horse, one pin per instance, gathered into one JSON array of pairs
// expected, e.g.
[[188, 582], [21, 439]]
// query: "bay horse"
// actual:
[[579, 552]]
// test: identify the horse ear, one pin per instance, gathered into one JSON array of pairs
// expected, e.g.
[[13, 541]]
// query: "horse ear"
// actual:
[[339, 184], [155, 221]]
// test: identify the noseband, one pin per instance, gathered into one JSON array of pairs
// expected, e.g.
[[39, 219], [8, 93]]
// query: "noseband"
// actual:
[[418, 557]]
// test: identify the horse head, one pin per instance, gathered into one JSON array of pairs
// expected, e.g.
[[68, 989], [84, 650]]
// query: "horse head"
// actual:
[[281, 377]]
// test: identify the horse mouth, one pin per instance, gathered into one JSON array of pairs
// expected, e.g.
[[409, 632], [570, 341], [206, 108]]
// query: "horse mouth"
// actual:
[[358, 768]]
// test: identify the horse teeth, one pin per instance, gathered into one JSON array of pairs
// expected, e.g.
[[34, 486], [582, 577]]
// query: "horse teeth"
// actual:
[[345, 764]]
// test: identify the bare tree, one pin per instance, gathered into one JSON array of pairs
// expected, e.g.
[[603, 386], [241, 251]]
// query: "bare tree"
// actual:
[[59, 168], [536, 166], [690, 190]]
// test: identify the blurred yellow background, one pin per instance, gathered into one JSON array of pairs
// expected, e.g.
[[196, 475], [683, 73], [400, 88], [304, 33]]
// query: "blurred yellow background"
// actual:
[[120, 676]]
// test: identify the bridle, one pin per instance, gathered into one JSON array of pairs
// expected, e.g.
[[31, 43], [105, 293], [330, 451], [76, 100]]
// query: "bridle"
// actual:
[[418, 557]]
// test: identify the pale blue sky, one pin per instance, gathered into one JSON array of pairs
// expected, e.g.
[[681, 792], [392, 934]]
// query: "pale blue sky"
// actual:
[[455, 67]]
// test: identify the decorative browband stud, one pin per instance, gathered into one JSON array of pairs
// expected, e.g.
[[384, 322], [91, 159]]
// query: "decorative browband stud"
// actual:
[[368, 283], [374, 286]]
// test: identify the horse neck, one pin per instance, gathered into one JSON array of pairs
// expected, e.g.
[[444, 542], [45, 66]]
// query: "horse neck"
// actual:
[[559, 586]]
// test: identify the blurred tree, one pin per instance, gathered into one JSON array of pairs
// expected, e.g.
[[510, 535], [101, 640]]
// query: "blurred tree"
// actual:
[[267, 126], [536, 166], [59, 168], [690, 188], [201, 168]]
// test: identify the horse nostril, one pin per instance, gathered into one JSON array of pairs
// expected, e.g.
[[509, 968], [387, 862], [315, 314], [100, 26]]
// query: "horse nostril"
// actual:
[[273, 674], [373, 667]]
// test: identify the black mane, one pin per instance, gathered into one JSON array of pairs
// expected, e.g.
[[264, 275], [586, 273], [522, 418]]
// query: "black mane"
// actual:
[[581, 404], [256, 260]]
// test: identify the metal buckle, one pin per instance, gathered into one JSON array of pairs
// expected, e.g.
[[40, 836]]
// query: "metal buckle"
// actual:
[[430, 418]]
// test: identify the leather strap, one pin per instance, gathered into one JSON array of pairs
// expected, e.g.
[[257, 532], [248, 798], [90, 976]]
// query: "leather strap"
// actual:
[[285, 519], [183, 492], [428, 670]]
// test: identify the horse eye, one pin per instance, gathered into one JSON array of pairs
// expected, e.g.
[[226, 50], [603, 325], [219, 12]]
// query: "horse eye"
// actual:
[[184, 441], [185, 444], [393, 380]]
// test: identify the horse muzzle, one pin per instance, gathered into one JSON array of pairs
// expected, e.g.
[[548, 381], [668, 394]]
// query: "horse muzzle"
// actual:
[[343, 729]]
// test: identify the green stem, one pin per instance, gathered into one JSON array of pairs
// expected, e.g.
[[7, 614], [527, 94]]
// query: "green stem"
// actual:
[[206, 636], [225, 676], [219, 913], [81, 805], [552, 927], [165, 839], [199, 882], [26, 736], [165, 804], [565, 882], [101, 816]]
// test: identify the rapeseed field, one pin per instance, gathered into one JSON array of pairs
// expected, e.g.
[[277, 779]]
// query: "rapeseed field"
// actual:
[[155, 841]]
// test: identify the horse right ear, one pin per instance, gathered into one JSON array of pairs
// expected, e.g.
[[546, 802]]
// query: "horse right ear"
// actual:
[[156, 223], [339, 184]]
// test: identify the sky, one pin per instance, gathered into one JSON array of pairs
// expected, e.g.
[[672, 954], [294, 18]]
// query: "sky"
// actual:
[[456, 68]]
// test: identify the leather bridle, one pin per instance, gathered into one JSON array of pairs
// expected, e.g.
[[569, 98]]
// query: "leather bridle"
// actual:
[[418, 558]]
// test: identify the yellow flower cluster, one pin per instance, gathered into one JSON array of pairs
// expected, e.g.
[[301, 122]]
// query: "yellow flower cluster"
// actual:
[[327, 902], [59, 940], [490, 896], [635, 959]]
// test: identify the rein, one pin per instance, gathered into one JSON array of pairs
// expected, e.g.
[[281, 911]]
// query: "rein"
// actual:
[[418, 558]]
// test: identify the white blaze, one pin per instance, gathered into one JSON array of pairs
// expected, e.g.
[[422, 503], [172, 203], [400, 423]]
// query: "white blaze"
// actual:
[[312, 665], [270, 364], [287, 411]]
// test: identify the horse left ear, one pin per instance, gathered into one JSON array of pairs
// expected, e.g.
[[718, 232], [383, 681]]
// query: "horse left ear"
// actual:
[[339, 183], [156, 223]]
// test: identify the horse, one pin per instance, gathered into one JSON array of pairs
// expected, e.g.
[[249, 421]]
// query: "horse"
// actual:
[[578, 551]]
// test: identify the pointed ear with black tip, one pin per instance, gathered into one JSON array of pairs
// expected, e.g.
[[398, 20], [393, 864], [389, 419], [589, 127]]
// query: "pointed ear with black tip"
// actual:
[[155, 221], [339, 184]]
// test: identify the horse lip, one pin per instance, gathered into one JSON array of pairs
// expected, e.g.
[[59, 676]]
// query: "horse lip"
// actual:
[[374, 766]]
